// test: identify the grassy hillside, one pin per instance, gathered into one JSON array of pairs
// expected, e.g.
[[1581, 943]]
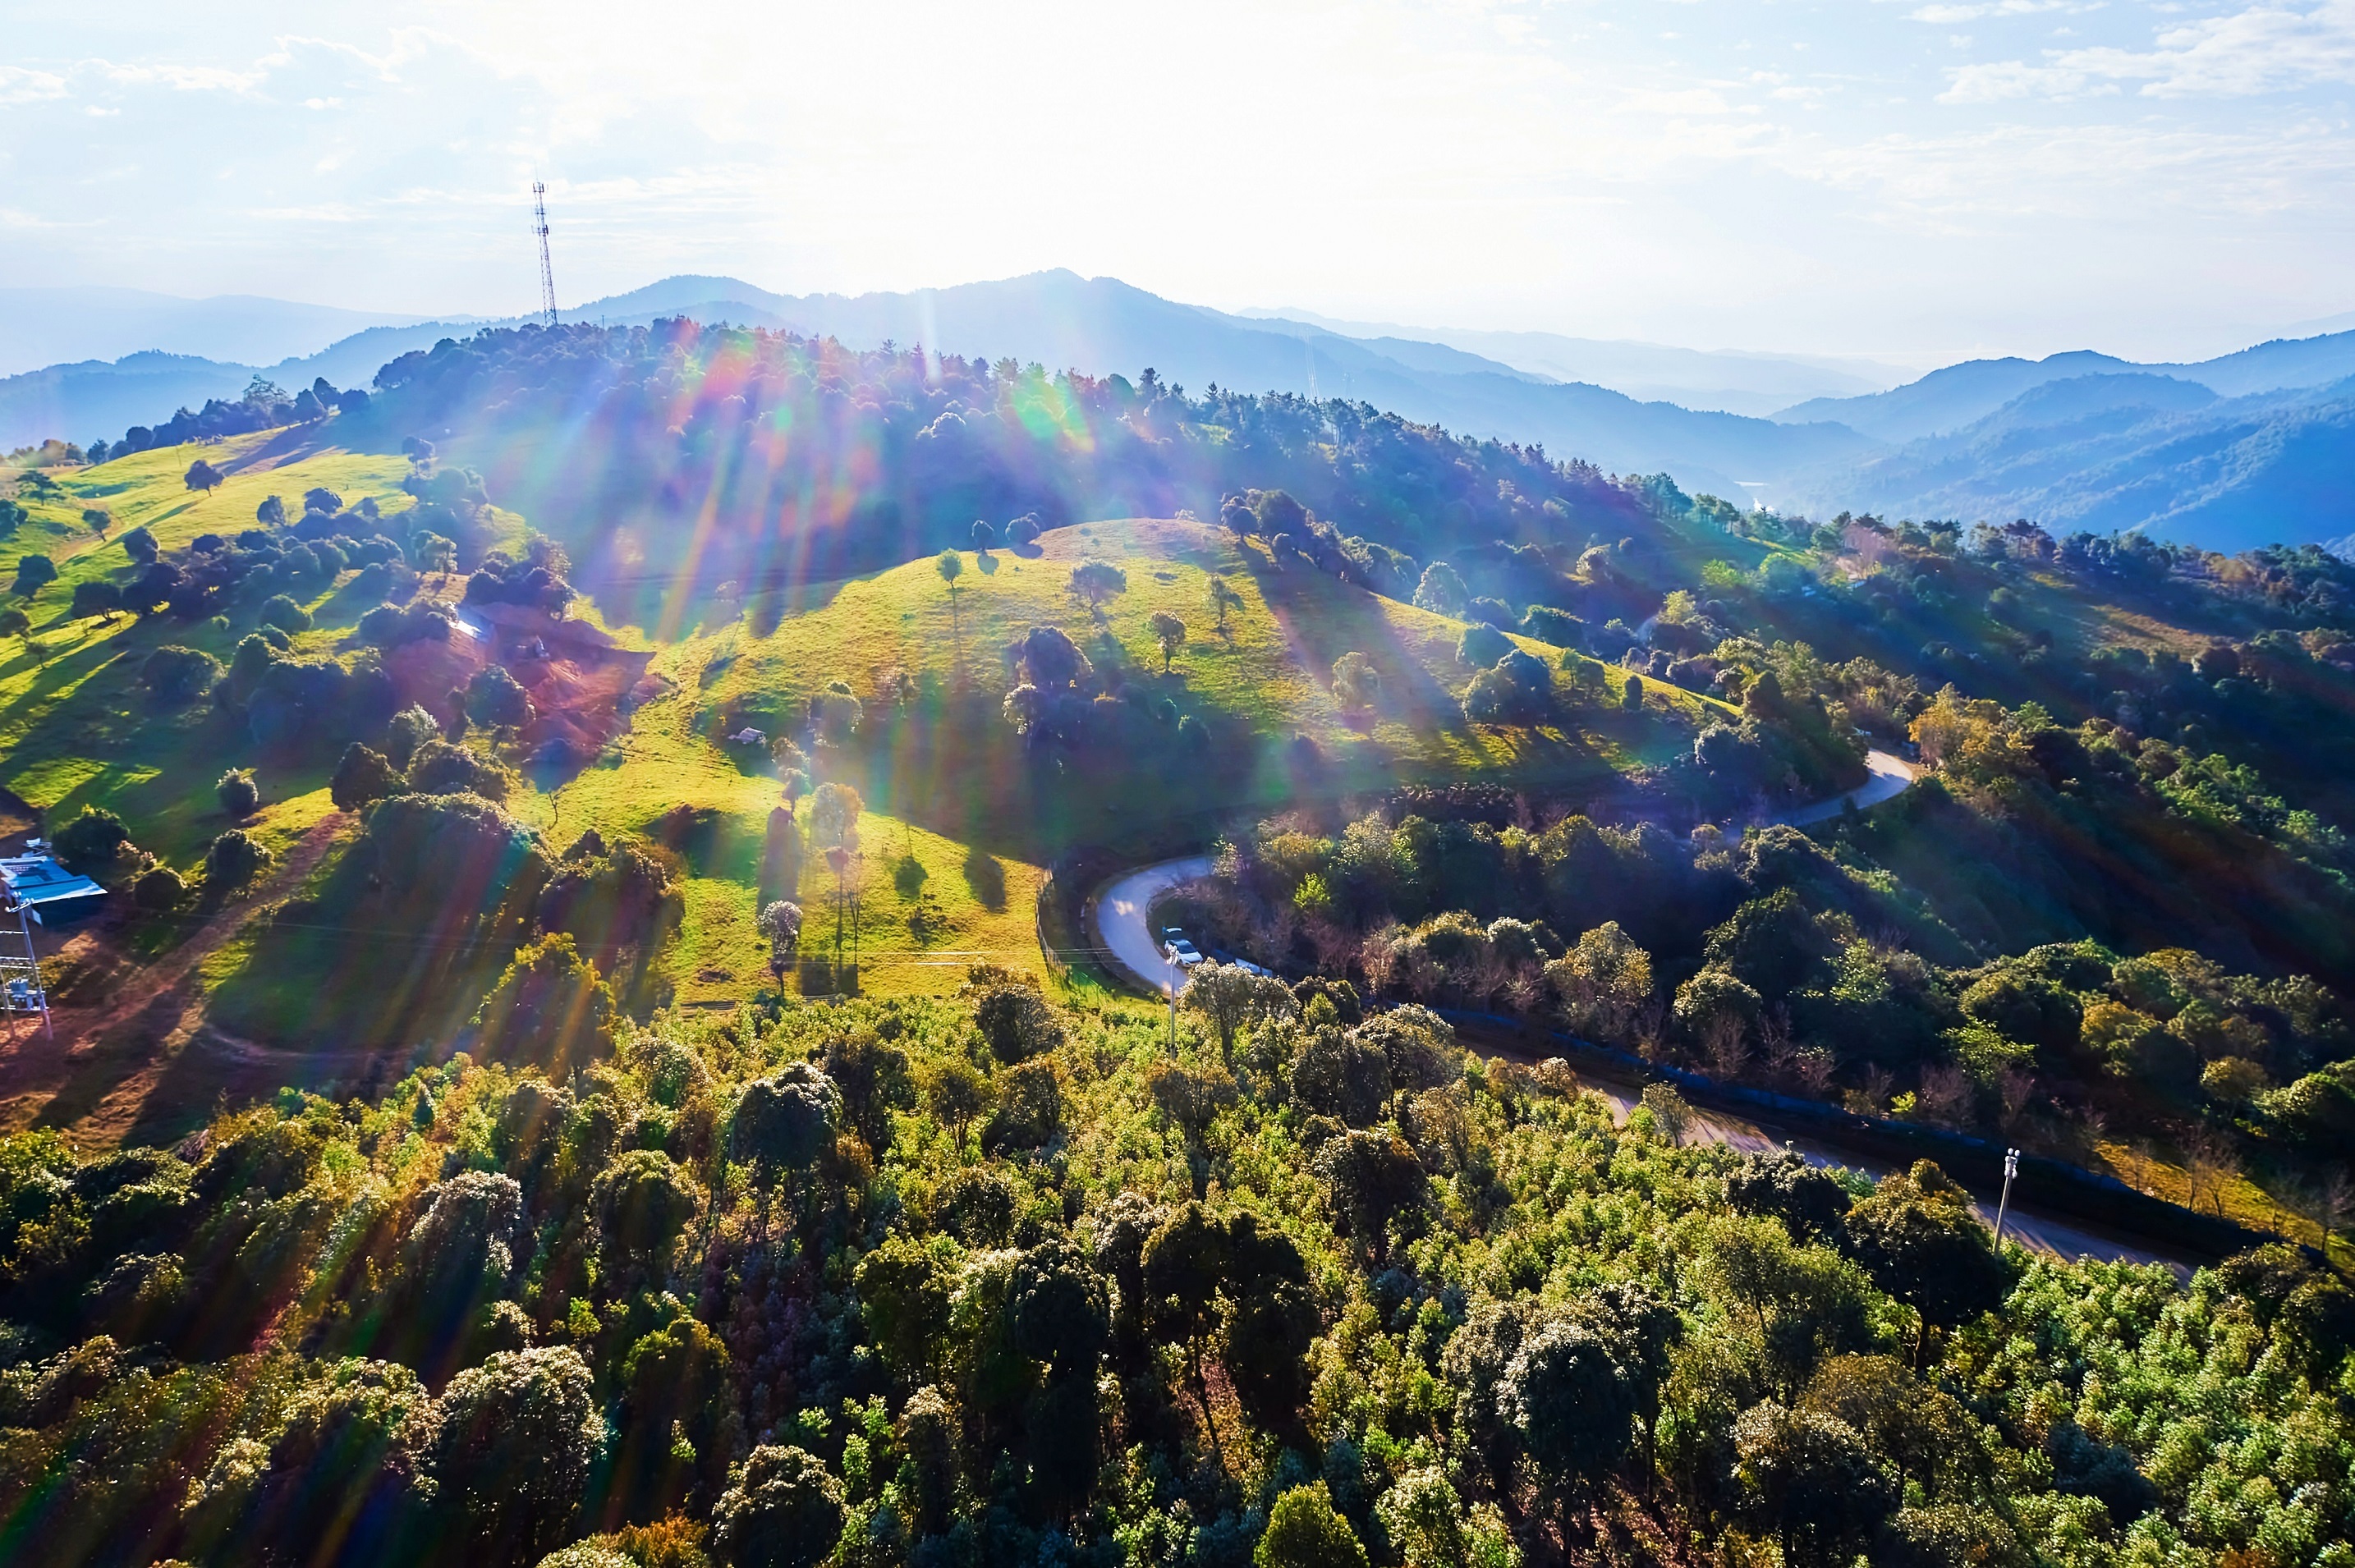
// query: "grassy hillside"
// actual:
[[963, 816], [74, 730]]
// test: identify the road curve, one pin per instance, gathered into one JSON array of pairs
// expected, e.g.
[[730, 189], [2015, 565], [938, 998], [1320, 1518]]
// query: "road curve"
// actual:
[[1135, 946], [1892, 775]]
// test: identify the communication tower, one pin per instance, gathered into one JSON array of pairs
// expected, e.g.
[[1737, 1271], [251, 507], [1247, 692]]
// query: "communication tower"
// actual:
[[21, 992], [547, 277]]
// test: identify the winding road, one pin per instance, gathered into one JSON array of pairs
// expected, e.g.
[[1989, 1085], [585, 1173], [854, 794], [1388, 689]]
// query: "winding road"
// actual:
[[1135, 949]]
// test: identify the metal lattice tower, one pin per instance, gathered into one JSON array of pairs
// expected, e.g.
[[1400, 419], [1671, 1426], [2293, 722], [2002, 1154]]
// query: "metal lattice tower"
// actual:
[[547, 277], [21, 992]]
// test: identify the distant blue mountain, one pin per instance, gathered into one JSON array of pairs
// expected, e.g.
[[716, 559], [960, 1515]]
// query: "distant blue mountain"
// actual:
[[2128, 451], [1948, 399]]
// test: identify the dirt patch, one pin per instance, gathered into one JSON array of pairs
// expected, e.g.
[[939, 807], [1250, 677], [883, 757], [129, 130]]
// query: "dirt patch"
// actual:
[[117, 1065], [582, 686]]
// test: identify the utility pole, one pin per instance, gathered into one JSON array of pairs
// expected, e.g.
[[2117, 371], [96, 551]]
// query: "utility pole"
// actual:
[[1169, 956], [2003, 1204], [547, 276]]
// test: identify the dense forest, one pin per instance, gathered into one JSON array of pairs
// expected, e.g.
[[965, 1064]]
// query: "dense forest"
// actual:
[[988, 1282]]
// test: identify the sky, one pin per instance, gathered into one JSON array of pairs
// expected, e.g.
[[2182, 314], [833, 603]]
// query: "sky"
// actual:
[[1908, 180]]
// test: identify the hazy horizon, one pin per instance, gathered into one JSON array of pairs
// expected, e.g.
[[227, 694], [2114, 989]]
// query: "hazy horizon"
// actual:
[[1907, 183]]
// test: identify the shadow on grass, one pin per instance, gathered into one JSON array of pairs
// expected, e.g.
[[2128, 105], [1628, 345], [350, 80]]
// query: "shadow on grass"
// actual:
[[986, 877]]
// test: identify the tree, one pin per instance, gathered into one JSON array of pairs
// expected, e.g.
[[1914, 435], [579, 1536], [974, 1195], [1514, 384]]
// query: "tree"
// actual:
[[204, 477], [785, 1511], [363, 777], [271, 513], [159, 889], [95, 596], [1442, 591], [1186, 1261], [513, 1447], [1191, 1097], [1023, 530], [1338, 1074], [1223, 599], [1567, 1398], [787, 1120], [1372, 1176], [550, 1008], [407, 730], [239, 797], [430, 552], [1632, 698], [1481, 646], [33, 574], [496, 700], [1306, 1530], [281, 612], [15, 622], [955, 1094], [875, 1079], [1093, 582], [984, 536], [951, 566], [781, 923], [98, 520], [93, 839], [1169, 632], [1230, 996], [1917, 1238], [1016, 1022], [140, 547], [1808, 1481], [833, 827], [1357, 685]]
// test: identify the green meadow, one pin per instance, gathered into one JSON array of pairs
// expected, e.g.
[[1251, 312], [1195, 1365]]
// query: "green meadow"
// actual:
[[963, 819]]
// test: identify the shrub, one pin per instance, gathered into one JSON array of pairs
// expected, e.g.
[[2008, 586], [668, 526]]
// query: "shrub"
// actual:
[[362, 777], [159, 889], [282, 612], [238, 793], [93, 839], [497, 700], [1482, 645], [173, 676], [550, 1010], [234, 860], [441, 769]]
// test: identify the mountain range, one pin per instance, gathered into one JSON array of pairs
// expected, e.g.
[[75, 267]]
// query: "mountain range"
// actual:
[[2249, 448]]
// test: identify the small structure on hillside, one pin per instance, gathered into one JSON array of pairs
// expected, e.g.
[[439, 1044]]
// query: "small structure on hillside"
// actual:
[[34, 881], [748, 736]]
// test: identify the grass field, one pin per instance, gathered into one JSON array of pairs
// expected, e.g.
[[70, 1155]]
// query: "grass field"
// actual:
[[962, 819]]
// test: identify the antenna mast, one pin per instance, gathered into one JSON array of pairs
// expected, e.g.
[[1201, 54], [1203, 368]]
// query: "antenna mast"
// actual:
[[547, 277]]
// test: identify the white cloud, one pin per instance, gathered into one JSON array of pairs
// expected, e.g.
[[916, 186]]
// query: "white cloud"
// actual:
[[2261, 49], [19, 85]]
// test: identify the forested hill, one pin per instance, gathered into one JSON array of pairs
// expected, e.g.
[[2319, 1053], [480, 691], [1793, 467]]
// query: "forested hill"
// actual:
[[801, 458]]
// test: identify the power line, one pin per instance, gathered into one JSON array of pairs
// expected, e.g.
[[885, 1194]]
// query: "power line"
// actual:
[[547, 277]]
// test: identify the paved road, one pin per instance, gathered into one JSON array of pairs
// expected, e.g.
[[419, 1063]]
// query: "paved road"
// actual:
[[1892, 777], [1120, 918], [2037, 1233]]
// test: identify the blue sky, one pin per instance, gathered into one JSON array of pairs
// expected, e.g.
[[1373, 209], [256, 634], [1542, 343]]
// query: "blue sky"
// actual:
[[1914, 180]]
